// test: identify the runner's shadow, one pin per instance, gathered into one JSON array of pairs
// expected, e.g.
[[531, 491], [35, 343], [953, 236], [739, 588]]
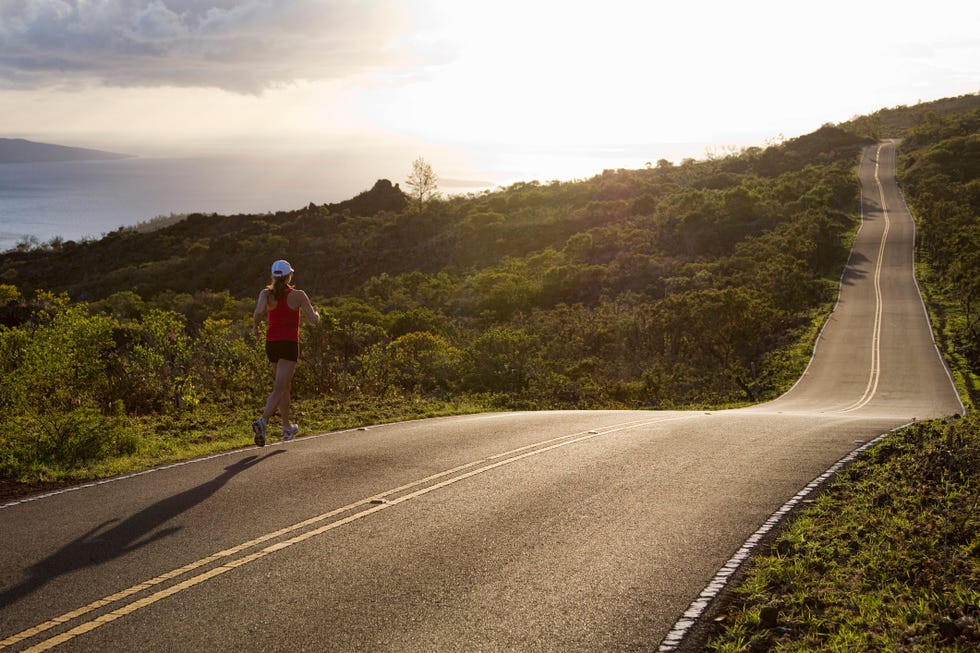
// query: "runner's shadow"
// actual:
[[102, 544]]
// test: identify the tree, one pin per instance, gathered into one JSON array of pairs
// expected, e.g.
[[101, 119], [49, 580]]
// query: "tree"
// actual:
[[422, 362], [502, 359], [423, 183]]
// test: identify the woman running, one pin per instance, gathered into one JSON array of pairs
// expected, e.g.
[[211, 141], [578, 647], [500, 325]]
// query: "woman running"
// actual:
[[283, 306]]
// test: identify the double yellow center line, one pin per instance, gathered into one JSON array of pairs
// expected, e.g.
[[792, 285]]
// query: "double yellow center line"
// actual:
[[875, 372], [135, 598]]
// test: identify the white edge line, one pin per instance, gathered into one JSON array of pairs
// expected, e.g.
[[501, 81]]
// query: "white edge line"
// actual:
[[181, 463], [675, 636], [93, 623], [232, 452], [695, 611], [922, 301]]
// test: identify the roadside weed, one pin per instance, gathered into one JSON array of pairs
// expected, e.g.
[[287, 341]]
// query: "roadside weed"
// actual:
[[885, 559]]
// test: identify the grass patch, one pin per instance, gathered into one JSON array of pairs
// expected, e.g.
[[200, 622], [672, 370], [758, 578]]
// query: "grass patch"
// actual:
[[887, 558], [950, 329], [123, 444]]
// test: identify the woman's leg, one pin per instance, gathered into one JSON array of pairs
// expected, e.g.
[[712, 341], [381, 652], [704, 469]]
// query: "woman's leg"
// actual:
[[280, 397]]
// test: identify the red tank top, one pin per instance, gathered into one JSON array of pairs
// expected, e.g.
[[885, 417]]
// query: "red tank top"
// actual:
[[283, 321]]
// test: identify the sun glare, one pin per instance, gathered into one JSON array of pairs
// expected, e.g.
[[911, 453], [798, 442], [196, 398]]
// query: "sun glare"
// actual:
[[562, 76], [542, 74]]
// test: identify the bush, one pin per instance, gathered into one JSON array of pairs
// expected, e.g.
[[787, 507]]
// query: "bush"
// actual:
[[61, 440]]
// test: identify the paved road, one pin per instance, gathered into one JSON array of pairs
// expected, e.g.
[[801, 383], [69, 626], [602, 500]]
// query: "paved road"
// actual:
[[543, 531]]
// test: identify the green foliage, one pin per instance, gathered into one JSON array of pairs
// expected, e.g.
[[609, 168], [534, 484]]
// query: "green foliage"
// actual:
[[60, 361], [896, 122], [423, 184], [227, 365], [71, 377], [63, 439], [8, 294], [670, 286], [941, 179], [415, 363], [502, 359], [154, 362], [885, 559], [718, 337]]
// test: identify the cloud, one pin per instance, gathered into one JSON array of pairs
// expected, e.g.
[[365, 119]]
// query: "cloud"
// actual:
[[244, 46]]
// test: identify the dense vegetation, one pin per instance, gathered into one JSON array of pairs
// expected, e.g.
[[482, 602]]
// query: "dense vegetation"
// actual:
[[670, 286], [886, 559], [675, 285], [941, 179]]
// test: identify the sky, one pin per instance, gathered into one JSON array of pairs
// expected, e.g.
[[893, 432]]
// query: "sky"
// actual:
[[462, 81]]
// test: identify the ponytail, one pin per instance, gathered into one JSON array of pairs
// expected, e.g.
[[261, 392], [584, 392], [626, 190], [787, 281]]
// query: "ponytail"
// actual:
[[279, 286]]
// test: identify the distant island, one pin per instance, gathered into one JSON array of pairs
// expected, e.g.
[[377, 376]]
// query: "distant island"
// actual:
[[18, 150]]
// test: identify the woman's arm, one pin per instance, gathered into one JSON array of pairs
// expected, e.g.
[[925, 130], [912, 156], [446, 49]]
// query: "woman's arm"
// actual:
[[306, 307], [259, 315]]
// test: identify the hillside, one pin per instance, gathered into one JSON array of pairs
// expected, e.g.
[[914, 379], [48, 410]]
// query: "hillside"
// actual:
[[339, 247], [699, 283], [18, 150], [673, 284], [897, 122]]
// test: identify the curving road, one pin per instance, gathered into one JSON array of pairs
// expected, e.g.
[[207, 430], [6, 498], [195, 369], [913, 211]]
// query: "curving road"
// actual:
[[543, 531]]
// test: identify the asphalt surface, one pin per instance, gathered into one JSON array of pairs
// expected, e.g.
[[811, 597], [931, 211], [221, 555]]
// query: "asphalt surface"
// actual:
[[540, 531]]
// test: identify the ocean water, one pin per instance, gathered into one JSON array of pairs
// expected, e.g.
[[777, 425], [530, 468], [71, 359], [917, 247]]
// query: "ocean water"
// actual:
[[87, 199]]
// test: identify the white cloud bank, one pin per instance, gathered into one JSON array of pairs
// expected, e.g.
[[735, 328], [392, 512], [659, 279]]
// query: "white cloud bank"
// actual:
[[564, 73], [243, 46]]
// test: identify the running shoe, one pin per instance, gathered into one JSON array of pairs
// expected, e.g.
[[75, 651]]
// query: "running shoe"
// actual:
[[289, 432], [259, 427]]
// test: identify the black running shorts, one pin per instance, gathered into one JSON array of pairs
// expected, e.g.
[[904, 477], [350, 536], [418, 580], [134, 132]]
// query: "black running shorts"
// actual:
[[281, 349]]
